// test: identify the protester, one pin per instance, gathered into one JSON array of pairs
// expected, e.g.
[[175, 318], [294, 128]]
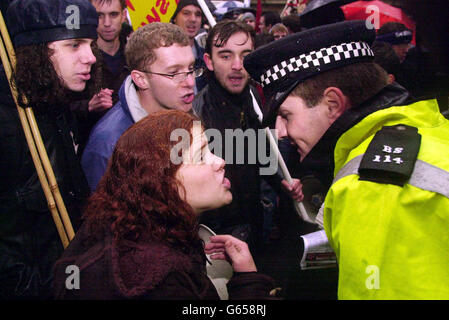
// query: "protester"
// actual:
[[278, 31], [417, 72], [226, 104], [386, 211], [267, 20], [398, 36], [54, 64], [140, 236], [188, 15], [425, 71], [386, 57], [162, 77], [292, 22], [248, 18], [232, 13], [111, 16]]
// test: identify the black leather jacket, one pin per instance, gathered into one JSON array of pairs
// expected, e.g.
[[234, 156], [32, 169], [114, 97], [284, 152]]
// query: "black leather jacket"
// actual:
[[220, 110], [29, 242]]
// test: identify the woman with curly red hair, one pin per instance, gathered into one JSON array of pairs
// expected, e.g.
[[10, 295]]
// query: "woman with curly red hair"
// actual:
[[140, 235]]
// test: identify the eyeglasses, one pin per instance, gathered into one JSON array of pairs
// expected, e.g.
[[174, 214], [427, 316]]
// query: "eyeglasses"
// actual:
[[180, 76]]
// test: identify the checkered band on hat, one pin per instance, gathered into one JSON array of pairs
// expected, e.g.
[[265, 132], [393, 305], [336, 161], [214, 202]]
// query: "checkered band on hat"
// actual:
[[317, 58]]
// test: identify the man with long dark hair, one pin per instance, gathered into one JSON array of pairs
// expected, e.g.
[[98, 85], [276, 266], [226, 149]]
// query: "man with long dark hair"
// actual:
[[54, 64]]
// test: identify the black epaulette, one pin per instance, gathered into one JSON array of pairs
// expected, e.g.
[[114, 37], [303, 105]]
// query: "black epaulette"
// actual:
[[391, 155]]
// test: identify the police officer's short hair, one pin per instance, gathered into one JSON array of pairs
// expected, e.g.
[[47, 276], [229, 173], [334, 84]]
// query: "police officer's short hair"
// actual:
[[358, 82]]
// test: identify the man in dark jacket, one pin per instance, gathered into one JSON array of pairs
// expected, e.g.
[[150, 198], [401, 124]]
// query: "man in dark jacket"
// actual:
[[226, 104], [54, 60]]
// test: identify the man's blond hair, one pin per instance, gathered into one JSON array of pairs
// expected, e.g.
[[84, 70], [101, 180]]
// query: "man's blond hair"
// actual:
[[140, 48]]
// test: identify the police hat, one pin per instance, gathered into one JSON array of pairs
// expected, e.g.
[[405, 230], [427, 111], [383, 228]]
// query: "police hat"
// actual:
[[40, 21], [282, 64], [398, 37]]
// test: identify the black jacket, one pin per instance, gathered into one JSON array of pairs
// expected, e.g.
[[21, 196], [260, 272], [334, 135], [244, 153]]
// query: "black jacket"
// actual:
[[220, 110], [29, 242]]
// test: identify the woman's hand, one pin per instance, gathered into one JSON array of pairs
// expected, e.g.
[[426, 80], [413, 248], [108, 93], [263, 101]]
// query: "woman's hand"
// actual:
[[235, 251]]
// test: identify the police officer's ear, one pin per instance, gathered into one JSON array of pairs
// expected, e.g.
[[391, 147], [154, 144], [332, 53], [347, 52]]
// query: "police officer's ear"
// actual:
[[336, 102], [139, 79], [208, 61]]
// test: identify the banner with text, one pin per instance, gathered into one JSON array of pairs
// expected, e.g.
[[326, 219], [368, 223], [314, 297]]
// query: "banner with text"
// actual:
[[142, 12]]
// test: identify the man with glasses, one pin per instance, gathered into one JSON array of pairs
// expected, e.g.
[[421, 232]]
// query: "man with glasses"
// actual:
[[162, 77]]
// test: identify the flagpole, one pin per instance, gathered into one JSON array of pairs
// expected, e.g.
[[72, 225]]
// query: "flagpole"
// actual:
[[207, 13], [299, 207], [37, 149], [258, 14]]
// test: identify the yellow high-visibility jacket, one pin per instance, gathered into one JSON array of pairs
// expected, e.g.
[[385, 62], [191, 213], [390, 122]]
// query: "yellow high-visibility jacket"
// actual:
[[392, 242]]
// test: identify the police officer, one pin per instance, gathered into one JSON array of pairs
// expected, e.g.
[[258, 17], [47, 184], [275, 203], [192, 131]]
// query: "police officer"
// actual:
[[385, 158]]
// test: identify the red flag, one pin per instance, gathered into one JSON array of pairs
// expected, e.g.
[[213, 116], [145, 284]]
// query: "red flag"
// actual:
[[258, 14], [130, 5]]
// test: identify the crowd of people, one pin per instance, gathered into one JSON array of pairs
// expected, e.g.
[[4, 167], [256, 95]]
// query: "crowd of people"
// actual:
[[108, 101]]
